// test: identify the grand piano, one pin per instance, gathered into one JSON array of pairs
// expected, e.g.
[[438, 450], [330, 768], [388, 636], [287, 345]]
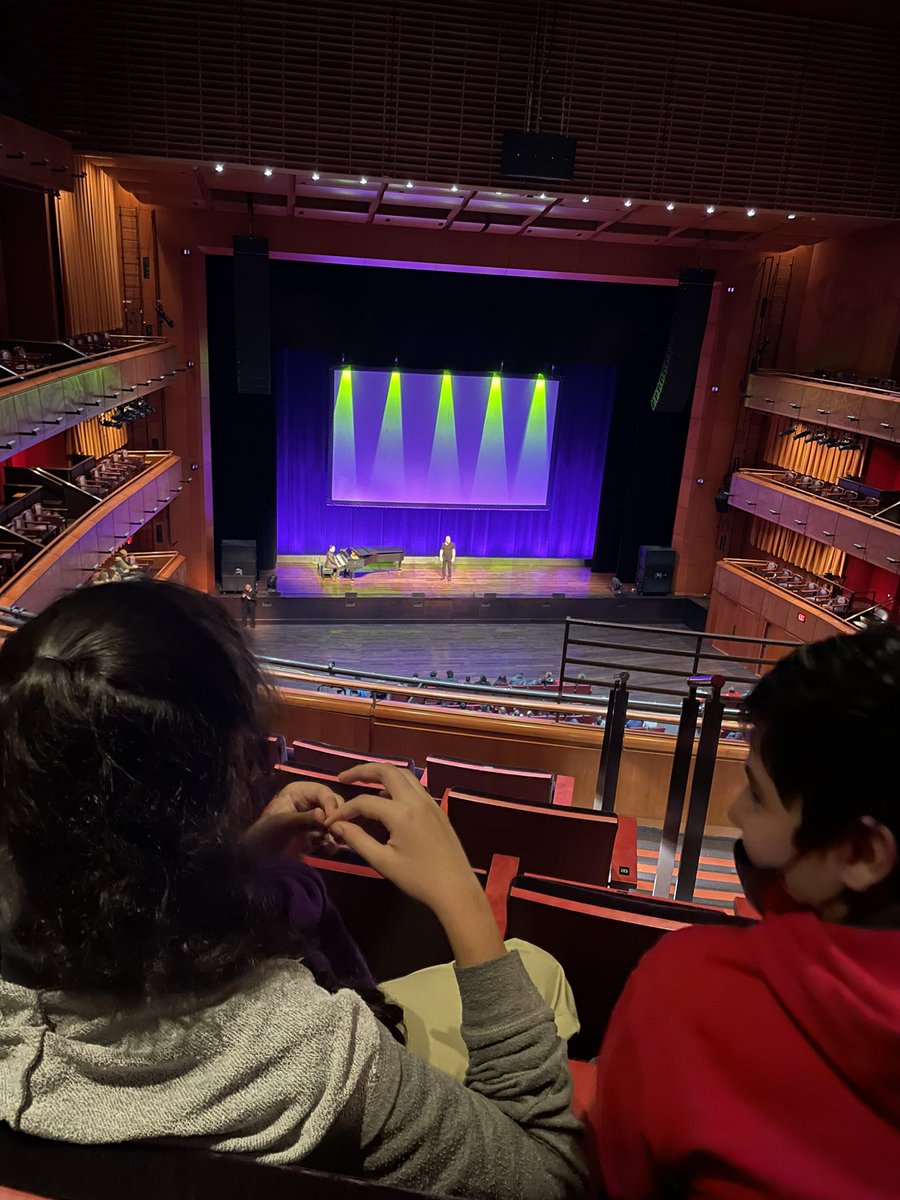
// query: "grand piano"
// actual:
[[353, 560]]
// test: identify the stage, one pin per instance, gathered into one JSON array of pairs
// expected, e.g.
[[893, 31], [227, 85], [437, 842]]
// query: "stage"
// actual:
[[298, 576]]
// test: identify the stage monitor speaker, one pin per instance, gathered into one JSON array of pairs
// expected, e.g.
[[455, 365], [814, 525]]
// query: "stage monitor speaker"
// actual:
[[252, 325], [559, 596], [656, 568], [678, 372], [537, 156], [239, 556]]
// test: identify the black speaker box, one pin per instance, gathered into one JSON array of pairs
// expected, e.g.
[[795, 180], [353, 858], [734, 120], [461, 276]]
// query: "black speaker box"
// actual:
[[239, 555], [656, 568], [537, 156], [252, 325], [678, 372]]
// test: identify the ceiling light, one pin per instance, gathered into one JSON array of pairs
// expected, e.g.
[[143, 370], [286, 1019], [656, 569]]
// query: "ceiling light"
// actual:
[[498, 193], [792, 216], [409, 183], [267, 171], [362, 179], [316, 176], [542, 196], [585, 199], [670, 207], [751, 212], [219, 168], [710, 209], [628, 203], [455, 187]]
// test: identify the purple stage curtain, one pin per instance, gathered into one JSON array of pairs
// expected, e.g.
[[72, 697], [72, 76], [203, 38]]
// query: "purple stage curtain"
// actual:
[[308, 522]]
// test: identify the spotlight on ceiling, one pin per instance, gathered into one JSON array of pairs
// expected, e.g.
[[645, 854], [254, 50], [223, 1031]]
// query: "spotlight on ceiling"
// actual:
[[363, 179], [220, 167], [801, 433], [454, 187], [316, 176], [409, 183], [792, 216], [785, 432], [542, 196], [670, 207], [628, 203], [751, 212], [498, 193], [267, 171], [710, 209], [585, 199]]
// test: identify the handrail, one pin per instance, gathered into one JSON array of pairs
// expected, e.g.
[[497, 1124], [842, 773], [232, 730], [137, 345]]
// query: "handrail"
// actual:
[[865, 388], [767, 477]]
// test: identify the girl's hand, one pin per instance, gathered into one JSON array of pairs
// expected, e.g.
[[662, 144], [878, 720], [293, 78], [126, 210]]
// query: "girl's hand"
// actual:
[[293, 822]]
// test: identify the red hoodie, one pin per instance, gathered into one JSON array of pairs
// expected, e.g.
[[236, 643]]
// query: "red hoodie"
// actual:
[[756, 1062]]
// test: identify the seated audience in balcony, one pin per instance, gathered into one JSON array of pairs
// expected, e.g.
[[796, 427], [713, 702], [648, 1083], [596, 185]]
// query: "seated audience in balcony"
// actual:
[[151, 987], [764, 1061]]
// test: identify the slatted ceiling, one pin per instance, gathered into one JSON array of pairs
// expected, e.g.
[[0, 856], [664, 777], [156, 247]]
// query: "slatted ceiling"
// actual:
[[682, 100]]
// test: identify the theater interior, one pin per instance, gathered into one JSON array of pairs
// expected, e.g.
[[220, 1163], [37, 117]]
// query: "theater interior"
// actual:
[[604, 297]]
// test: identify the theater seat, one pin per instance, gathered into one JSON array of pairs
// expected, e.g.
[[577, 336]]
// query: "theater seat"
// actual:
[[331, 760], [34, 1167], [501, 783]]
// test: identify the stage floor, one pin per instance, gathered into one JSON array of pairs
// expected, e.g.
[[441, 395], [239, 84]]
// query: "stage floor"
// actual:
[[471, 576]]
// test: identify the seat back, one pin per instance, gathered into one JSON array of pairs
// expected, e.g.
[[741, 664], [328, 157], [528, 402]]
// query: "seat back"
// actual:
[[144, 1171], [565, 843], [396, 934], [331, 760], [598, 947], [502, 783]]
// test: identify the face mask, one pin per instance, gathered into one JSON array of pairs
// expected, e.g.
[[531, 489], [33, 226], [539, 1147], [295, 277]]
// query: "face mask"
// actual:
[[764, 887]]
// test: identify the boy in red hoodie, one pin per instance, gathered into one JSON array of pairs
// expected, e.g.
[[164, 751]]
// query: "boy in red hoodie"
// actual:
[[765, 1061]]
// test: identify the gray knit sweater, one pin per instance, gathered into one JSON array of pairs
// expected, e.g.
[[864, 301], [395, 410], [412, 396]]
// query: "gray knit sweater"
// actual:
[[281, 1069]]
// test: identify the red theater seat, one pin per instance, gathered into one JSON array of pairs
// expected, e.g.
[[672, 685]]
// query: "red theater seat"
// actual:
[[571, 844], [331, 760], [502, 783]]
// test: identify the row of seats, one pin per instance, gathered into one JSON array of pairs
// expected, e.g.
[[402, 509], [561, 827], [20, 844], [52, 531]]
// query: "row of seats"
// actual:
[[813, 588], [40, 523], [110, 473], [832, 491]]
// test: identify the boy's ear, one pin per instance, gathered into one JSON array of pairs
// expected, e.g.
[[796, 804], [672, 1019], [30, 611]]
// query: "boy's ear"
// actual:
[[871, 855]]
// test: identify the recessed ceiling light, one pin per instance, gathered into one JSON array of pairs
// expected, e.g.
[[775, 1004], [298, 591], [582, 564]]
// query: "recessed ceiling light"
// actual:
[[751, 212], [454, 187], [362, 179], [628, 203], [710, 209], [585, 199], [792, 216], [267, 171], [409, 183], [542, 196], [219, 168], [498, 193], [316, 176], [670, 207]]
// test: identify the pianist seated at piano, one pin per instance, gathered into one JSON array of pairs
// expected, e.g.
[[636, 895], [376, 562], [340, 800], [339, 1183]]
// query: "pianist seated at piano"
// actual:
[[356, 559], [330, 566]]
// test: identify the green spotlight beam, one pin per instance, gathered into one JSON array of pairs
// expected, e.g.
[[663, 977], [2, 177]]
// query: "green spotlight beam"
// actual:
[[388, 467], [535, 447], [490, 469], [443, 466], [344, 450]]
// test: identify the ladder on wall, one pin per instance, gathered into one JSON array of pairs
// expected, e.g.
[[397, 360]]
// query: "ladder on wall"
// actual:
[[130, 242], [775, 288]]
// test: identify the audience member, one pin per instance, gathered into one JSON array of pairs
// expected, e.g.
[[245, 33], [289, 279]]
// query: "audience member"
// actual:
[[764, 1061], [152, 987]]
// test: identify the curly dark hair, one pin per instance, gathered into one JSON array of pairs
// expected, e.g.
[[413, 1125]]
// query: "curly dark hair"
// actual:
[[132, 758]]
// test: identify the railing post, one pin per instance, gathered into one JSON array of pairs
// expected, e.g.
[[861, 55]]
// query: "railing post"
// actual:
[[613, 738], [707, 748], [681, 769], [562, 667]]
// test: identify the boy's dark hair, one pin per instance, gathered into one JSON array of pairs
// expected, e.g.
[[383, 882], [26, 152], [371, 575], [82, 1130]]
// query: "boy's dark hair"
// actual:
[[828, 722]]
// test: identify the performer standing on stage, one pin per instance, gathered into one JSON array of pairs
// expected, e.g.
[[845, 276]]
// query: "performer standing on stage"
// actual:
[[447, 555]]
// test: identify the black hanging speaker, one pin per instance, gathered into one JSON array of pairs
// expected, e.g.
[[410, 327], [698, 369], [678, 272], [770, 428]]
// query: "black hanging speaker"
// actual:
[[678, 373], [537, 156], [656, 567], [252, 348]]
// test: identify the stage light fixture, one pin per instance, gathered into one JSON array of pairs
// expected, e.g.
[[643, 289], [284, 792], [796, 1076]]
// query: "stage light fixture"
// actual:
[[790, 429], [363, 179], [219, 168], [316, 176], [810, 437], [751, 212], [799, 434], [670, 207], [792, 216], [628, 203], [268, 172], [710, 209]]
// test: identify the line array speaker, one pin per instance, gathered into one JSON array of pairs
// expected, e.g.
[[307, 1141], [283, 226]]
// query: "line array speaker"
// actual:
[[678, 372], [252, 326]]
